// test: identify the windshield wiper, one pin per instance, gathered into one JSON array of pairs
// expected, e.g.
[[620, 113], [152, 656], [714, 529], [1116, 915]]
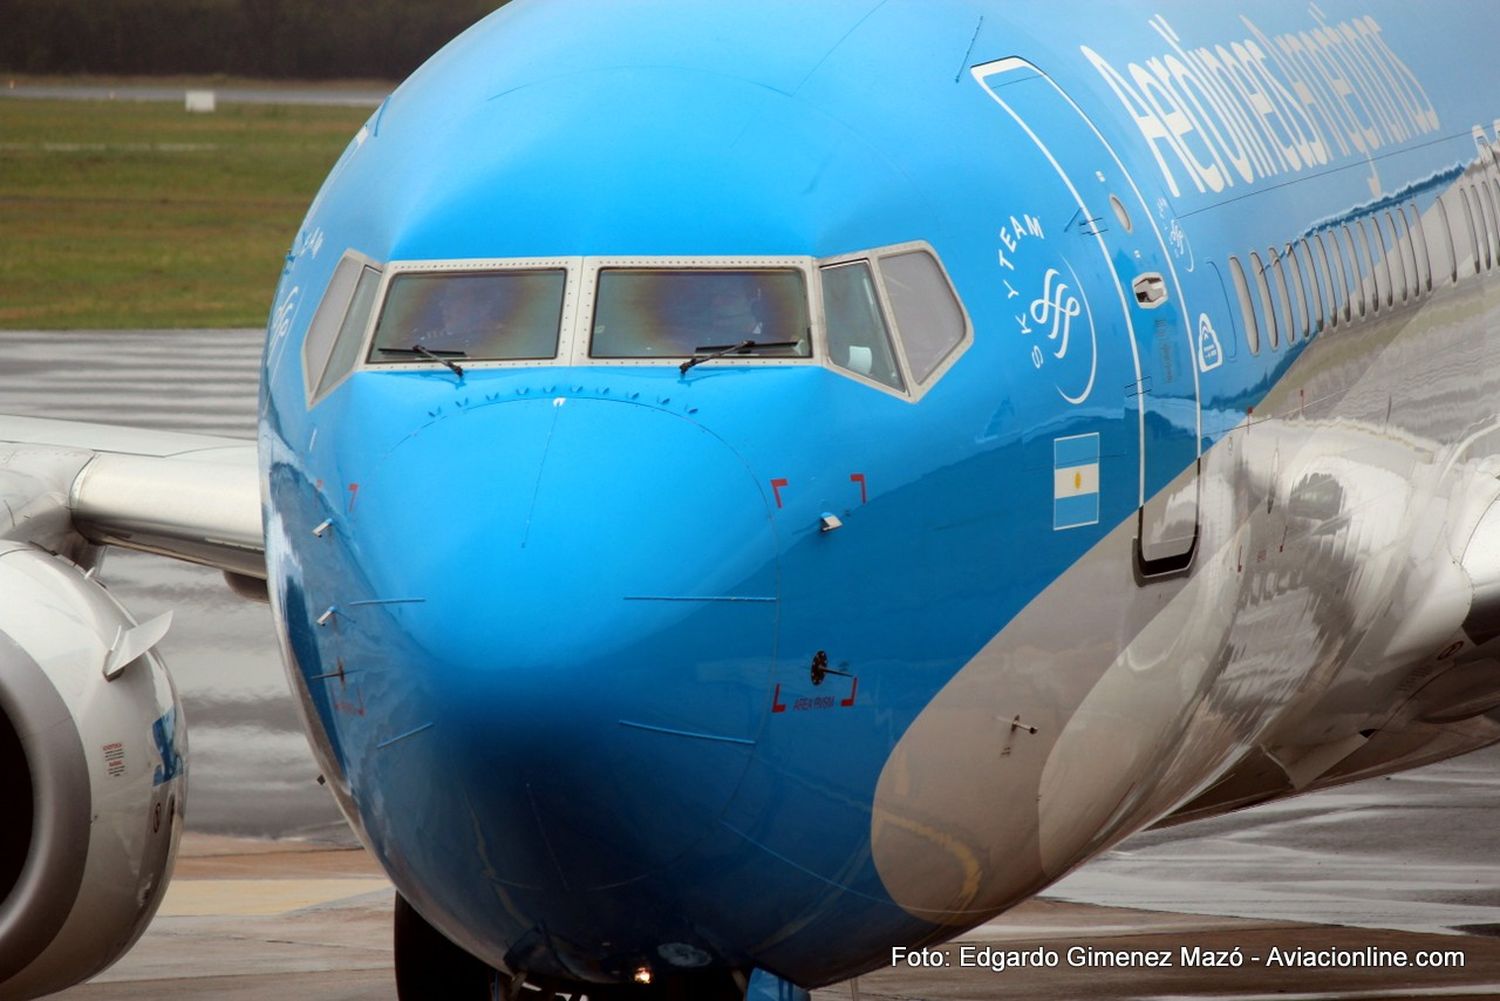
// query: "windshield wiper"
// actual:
[[720, 350], [442, 357]]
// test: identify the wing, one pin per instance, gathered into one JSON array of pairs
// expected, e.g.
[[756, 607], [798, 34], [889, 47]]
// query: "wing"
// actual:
[[191, 497]]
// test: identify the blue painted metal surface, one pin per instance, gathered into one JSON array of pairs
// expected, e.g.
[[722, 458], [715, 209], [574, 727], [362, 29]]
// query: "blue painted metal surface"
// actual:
[[598, 732], [765, 987]]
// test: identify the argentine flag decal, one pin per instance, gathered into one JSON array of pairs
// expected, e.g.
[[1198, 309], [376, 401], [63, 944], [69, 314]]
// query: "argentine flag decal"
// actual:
[[1075, 481]]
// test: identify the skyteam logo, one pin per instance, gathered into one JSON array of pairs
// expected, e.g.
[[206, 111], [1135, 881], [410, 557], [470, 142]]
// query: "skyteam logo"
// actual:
[[1075, 481]]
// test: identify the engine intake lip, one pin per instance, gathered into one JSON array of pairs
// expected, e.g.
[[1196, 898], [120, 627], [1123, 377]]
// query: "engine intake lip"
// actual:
[[44, 891], [17, 793]]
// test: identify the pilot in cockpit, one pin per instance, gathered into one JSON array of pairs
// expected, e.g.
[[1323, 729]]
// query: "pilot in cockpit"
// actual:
[[732, 316], [466, 317]]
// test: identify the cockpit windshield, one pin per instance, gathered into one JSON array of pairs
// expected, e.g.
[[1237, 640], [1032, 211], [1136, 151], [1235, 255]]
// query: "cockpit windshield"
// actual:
[[480, 315], [679, 313]]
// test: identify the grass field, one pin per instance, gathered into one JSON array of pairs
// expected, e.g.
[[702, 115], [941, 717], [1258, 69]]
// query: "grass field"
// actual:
[[118, 215]]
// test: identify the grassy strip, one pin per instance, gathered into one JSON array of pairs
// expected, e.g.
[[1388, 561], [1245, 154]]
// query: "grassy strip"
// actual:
[[118, 215], [217, 81]]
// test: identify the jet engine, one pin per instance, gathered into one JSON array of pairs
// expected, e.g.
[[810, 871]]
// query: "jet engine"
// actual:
[[92, 774]]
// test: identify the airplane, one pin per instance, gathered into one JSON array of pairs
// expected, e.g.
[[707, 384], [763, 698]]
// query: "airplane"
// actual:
[[745, 490]]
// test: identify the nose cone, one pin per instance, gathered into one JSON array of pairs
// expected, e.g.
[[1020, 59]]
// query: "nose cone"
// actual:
[[595, 632]]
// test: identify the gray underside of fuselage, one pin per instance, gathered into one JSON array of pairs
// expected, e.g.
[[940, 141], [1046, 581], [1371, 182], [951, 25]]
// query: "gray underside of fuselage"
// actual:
[[1319, 637]]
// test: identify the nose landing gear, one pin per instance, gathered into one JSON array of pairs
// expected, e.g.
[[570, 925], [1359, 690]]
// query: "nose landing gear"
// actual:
[[429, 967]]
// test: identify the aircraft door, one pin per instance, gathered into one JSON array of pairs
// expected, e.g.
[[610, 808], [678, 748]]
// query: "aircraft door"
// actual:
[[1164, 395]]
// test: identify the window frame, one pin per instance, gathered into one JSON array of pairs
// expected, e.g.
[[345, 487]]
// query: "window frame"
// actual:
[[1301, 307], [1312, 278], [1333, 280], [468, 266], [1487, 210], [1284, 319], [882, 307], [1391, 236], [1370, 290], [1269, 338], [1380, 261], [1480, 241], [914, 390], [1246, 297], [1358, 307], [1452, 244], [310, 380], [582, 342], [1416, 232]]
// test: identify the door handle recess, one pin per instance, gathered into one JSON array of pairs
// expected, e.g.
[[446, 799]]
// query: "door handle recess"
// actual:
[[1150, 290]]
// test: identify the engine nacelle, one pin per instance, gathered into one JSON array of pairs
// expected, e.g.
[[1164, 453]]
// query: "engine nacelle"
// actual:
[[92, 775]]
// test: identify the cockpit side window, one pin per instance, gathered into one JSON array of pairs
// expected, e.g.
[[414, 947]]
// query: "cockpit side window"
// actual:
[[929, 320], [858, 338], [318, 343], [668, 313], [351, 331], [510, 315]]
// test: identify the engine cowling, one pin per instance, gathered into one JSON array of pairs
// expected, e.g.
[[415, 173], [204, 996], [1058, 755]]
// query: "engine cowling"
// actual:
[[93, 776]]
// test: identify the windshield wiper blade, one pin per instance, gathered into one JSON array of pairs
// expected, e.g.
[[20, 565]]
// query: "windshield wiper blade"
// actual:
[[720, 350], [442, 357]]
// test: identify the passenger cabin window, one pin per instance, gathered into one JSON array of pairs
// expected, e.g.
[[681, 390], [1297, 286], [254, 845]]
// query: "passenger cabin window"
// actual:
[[477, 316], [1312, 249], [1380, 261], [1328, 246], [928, 318], [1446, 244], [1283, 306], [1356, 282], [1466, 216], [677, 313], [1247, 305], [1487, 211], [1481, 241], [1369, 290], [1298, 294], [1267, 310], [1391, 236], [1421, 253], [858, 339], [351, 331]]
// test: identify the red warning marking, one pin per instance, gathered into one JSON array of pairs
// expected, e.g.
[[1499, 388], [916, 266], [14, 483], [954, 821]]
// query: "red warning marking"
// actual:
[[351, 708], [812, 703], [776, 486], [864, 494], [777, 706], [353, 496]]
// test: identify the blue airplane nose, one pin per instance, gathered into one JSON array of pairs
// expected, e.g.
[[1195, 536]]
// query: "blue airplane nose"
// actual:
[[595, 630]]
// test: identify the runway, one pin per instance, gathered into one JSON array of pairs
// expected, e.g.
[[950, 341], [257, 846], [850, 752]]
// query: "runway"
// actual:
[[1404, 864], [362, 97], [262, 921]]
